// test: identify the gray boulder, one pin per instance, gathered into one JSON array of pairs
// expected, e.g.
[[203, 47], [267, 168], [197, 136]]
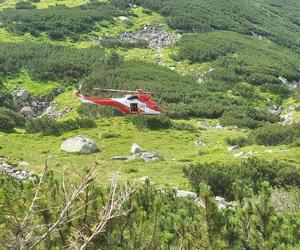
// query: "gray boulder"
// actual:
[[27, 111], [79, 144]]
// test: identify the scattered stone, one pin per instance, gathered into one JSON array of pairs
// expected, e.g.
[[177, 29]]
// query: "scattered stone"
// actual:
[[233, 147], [150, 156], [219, 126], [203, 123], [23, 164], [135, 149], [15, 173], [200, 143], [240, 154], [125, 20], [156, 37], [79, 144], [184, 194], [283, 80], [27, 111], [120, 158]]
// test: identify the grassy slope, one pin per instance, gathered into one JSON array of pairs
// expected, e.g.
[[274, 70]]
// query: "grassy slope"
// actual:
[[177, 147]]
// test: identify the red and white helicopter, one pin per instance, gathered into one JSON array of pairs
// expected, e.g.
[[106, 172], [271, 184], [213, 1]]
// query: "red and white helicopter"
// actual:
[[138, 102]]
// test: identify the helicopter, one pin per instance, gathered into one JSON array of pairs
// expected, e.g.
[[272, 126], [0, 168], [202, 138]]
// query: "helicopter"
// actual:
[[135, 102]]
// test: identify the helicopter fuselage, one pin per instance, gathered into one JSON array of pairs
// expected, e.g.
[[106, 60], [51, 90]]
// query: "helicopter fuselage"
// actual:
[[130, 104]]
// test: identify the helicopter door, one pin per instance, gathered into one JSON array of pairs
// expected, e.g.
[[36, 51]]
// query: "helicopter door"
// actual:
[[134, 107]]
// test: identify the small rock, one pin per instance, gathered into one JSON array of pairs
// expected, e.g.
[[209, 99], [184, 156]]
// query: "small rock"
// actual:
[[135, 149], [79, 144], [233, 147], [23, 164], [200, 143], [220, 199], [283, 80], [184, 194], [150, 156], [203, 123], [240, 154], [27, 111]]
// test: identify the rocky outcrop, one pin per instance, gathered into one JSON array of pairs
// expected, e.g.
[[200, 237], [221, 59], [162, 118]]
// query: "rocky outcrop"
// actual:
[[31, 106], [79, 144], [156, 37], [18, 174]]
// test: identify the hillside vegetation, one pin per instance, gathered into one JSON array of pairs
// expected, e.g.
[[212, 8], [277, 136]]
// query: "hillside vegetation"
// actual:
[[222, 162]]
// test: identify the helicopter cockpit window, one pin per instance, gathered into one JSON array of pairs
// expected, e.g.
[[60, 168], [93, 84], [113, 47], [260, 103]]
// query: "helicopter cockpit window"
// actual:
[[133, 97]]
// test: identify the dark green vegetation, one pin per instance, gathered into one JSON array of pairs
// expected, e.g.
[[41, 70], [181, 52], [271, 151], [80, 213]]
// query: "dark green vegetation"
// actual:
[[276, 134], [151, 122], [148, 218], [277, 20], [230, 67], [222, 178], [236, 56], [44, 61], [10, 119], [47, 126], [58, 21]]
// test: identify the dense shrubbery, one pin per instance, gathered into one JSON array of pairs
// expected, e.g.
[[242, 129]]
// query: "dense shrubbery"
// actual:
[[147, 218], [47, 126], [49, 62], [240, 16], [238, 57], [276, 134], [252, 172], [247, 117], [150, 121], [10, 119], [57, 21]]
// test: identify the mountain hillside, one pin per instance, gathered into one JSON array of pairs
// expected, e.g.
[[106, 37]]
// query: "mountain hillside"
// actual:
[[224, 153]]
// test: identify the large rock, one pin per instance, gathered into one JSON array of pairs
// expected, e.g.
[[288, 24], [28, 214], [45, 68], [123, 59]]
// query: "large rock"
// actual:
[[27, 111], [79, 144]]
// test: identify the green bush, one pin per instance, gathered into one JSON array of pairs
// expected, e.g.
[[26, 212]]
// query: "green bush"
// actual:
[[184, 126], [10, 119], [237, 140], [47, 126], [108, 135], [154, 122], [252, 172], [274, 134]]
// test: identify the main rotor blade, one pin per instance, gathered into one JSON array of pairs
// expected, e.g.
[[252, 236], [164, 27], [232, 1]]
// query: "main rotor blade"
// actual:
[[138, 91]]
